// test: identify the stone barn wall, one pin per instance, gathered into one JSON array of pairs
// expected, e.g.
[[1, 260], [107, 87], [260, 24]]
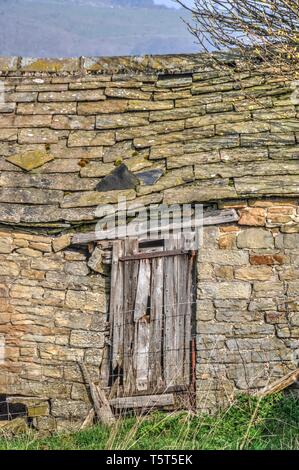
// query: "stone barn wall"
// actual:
[[52, 317], [248, 301], [190, 134]]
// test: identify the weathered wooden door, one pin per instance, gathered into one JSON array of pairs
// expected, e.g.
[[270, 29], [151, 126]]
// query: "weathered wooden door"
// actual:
[[151, 305]]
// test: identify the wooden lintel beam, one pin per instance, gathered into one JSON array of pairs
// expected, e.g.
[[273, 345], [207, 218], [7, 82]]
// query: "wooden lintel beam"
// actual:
[[155, 254], [210, 218]]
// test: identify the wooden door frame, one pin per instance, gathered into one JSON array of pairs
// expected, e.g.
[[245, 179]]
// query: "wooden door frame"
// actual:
[[134, 258]]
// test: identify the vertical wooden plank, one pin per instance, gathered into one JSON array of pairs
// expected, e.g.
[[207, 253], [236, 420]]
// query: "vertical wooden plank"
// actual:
[[130, 286], [112, 357], [182, 305], [142, 328], [169, 314], [156, 325], [143, 289], [116, 306]]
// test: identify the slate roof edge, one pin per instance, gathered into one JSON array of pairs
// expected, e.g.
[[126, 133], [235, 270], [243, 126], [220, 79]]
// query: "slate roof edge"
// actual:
[[172, 63]]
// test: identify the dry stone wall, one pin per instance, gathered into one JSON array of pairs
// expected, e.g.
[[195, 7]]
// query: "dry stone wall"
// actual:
[[248, 301], [53, 315], [214, 135], [227, 138]]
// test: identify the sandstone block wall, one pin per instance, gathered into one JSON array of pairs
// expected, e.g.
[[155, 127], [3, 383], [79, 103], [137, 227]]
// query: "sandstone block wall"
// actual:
[[225, 138], [52, 315], [248, 302]]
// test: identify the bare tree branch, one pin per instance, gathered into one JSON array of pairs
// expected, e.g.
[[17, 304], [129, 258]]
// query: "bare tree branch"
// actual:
[[262, 30]]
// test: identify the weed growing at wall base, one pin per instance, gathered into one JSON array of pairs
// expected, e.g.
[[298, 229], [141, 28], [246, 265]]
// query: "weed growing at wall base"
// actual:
[[271, 423]]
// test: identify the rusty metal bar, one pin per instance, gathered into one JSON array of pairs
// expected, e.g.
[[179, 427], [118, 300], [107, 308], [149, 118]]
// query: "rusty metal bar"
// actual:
[[193, 374]]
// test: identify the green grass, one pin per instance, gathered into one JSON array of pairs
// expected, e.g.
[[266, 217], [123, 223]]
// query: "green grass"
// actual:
[[250, 423]]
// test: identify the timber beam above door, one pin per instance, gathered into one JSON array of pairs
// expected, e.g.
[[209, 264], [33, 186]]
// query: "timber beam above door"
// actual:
[[156, 254]]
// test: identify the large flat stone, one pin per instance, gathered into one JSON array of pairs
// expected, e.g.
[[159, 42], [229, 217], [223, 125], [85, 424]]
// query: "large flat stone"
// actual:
[[114, 121], [91, 138], [225, 290], [200, 192], [267, 185], [94, 198], [255, 238], [257, 168], [120, 178], [30, 196], [68, 182], [30, 160]]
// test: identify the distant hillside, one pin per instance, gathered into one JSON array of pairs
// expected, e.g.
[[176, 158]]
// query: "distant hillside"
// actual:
[[86, 27]]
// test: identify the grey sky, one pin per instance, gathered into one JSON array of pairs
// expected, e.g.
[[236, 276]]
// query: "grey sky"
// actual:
[[66, 28], [168, 3]]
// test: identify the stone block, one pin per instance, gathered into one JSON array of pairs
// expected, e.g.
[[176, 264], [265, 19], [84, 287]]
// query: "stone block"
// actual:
[[91, 138], [225, 290], [87, 339], [76, 268], [267, 185], [6, 245], [115, 121], [268, 259], [8, 135], [224, 257], [227, 241], [49, 65], [71, 95], [145, 105], [75, 299], [94, 198], [73, 122], [103, 107], [255, 238], [47, 108], [69, 409], [252, 216], [95, 262], [127, 93], [9, 268], [243, 155], [205, 310], [262, 304], [38, 136], [205, 191], [224, 272], [291, 240], [177, 114], [62, 242], [179, 161], [254, 273], [165, 127]]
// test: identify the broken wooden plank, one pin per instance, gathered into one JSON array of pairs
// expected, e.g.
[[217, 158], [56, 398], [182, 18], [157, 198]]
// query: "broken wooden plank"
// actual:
[[280, 384], [182, 325], [143, 287], [144, 401], [100, 402], [116, 306], [156, 326], [170, 311], [131, 269], [142, 329], [209, 218], [88, 421]]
